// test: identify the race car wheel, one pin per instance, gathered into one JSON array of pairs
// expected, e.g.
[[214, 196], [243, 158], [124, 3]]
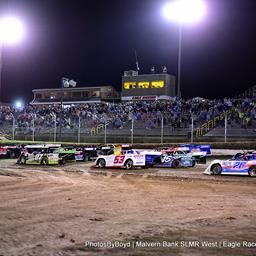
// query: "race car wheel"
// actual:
[[11, 154], [23, 160], [62, 161], [202, 160], [86, 158], [176, 163], [216, 169], [252, 171], [147, 166], [128, 164], [44, 161], [101, 163], [193, 163]]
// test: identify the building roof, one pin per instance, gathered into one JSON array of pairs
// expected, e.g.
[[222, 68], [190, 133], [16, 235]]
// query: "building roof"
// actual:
[[72, 88], [150, 74], [33, 102]]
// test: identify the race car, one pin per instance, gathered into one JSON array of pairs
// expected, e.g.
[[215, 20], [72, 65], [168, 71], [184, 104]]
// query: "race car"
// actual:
[[87, 153], [66, 154], [240, 164], [106, 150], [112, 149], [125, 159], [10, 151], [203, 148], [199, 152], [40, 154], [173, 159]]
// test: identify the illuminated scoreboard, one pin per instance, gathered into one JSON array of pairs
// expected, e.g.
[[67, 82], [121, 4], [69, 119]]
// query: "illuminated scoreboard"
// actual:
[[148, 87]]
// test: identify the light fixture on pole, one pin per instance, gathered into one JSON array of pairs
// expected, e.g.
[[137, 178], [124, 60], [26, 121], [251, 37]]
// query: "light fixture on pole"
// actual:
[[11, 32], [19, 104], [184, 12]]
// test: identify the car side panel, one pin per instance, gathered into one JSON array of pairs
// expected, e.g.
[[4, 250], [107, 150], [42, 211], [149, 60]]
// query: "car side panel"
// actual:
[[119, 160], [236, 167]]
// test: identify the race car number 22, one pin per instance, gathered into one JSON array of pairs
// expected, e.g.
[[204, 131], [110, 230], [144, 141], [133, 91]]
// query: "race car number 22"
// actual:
[[119, 159]]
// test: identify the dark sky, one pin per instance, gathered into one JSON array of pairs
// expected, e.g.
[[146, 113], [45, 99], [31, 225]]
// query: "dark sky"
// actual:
[[93, 42]]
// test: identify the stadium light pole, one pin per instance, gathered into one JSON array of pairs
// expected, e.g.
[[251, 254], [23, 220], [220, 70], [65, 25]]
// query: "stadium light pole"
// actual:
[[192, 129], [183, 12], [79, 130], [105, 132], [132, 130], [55, 128], [13, 126], [33, 128], [11, 32], [162, 129], [225, 127]]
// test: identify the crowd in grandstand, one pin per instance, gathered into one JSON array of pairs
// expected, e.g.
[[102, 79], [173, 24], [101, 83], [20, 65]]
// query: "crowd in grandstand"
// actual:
[[176, 113]]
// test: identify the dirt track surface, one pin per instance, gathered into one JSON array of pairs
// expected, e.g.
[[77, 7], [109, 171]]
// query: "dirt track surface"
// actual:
[[56, 210]]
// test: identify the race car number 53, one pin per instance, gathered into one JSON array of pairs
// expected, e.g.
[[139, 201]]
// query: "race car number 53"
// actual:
[[119, 159]]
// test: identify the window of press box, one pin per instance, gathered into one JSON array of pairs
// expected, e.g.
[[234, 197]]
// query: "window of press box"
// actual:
[[157, 84], [129, 85], [96, 94], [39, 96], [143, 85]]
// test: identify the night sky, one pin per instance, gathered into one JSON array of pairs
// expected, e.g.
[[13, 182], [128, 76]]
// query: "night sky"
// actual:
[[93, 42]]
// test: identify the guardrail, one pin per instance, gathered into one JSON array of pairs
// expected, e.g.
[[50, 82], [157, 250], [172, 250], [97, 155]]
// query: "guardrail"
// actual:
[[99, 128], [211, 124]]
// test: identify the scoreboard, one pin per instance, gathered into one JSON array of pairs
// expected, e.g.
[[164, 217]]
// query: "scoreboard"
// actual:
[[148, 87]]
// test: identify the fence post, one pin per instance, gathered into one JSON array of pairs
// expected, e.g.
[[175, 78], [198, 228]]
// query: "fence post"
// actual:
[[226, 126], [105, 132], [192, 129], [55, 128], [132, 131], [79, 129], [33, 129], [13, 127], [162, 130]]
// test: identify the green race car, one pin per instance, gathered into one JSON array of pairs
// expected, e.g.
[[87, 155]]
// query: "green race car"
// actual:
[[40, 154]]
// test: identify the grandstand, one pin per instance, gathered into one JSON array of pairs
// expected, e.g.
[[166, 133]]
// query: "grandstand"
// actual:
[[249, 93], [144, 120]]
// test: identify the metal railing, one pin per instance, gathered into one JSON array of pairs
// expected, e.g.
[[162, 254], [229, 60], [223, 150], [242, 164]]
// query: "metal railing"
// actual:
[[222, 128]]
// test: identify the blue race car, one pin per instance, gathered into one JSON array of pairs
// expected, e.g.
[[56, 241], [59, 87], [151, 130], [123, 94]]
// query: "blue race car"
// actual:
[[199, 152], [198, 148], [170, 159]]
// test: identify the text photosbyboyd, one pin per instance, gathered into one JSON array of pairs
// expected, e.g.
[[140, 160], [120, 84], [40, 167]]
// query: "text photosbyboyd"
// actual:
[[170, 244]]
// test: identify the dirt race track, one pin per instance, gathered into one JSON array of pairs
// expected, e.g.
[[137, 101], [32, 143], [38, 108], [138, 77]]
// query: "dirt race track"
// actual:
[[69, 210]]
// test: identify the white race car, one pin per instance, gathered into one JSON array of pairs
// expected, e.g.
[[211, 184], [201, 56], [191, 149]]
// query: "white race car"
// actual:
[[123, 159], [240, 164]]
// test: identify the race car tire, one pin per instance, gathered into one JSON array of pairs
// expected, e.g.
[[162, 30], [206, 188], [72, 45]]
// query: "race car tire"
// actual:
[[193, 163], [216, 169], [202, 160], [252, 171], [11, 154], [44, 161], [176, 163], [101, 163], [23, 160], [147, 166], [62, 161], [128, 164], [86, 158]]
